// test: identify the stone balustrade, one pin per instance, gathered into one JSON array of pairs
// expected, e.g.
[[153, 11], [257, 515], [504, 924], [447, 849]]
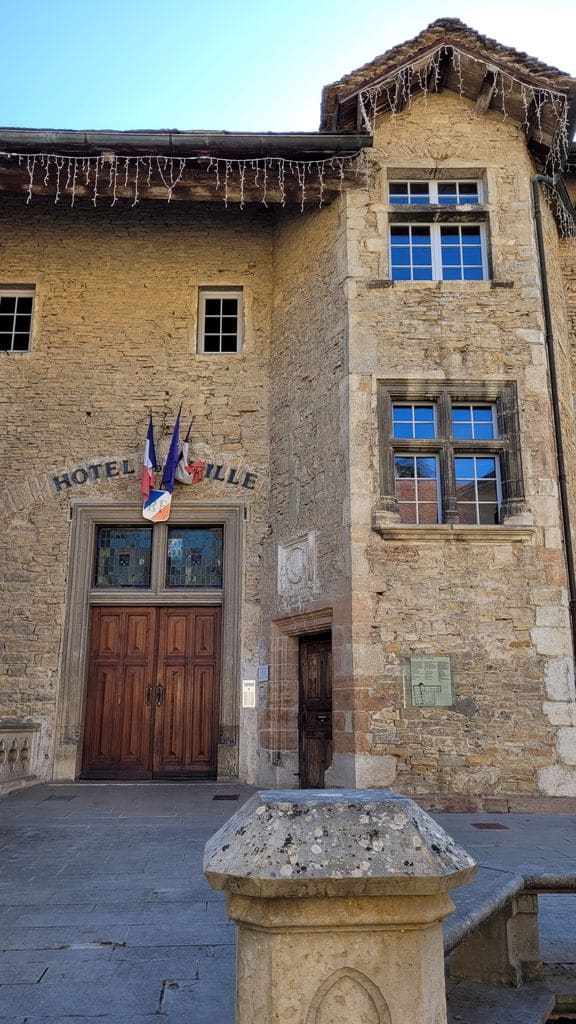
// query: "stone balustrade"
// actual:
[[18, 754]]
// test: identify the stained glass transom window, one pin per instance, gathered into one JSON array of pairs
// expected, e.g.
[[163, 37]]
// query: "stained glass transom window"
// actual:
[[123, 556], [194, 557]]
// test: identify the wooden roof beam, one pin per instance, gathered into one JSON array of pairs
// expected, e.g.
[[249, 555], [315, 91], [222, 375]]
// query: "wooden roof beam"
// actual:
[[533, 126], [486, 92]]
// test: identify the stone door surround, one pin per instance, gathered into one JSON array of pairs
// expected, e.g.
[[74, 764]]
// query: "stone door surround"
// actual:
[[74, 659]]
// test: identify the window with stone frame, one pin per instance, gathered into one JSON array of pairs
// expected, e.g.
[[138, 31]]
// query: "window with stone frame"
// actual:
[[16, 310], [438, 230], [220, 321], [449, 453]]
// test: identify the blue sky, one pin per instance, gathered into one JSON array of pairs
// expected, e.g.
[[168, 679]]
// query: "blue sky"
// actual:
[[253, 66]]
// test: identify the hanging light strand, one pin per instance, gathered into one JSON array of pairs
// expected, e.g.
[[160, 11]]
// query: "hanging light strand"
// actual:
[[82, 176], [397, 91]]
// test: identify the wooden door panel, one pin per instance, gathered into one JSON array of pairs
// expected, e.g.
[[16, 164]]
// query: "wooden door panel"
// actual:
[[118, 714], [107, 634], [186, 728], [202, 735], [315, 759], [176, 623], [140, 635], [100, 716], [205, 638], [170, 718], [315, 710], [134, 711]]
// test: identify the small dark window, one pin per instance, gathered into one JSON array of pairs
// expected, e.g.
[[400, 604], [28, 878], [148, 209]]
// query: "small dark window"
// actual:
[[220, 321], [15, 319]]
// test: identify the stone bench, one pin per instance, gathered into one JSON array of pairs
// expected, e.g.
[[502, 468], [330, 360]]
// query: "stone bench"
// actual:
[[493, 956], [493, 933]]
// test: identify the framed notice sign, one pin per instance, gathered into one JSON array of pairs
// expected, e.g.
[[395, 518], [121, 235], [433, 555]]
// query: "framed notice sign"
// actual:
[[428, 681]]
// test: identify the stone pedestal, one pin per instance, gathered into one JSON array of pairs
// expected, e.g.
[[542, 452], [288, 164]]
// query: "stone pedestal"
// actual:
[[339, 899]]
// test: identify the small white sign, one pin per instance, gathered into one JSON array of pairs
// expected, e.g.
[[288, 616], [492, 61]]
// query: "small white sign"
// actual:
[[248, 693]]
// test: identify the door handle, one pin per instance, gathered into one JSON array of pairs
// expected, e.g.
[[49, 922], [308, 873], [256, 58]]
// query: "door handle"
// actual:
[[159, 695], [149, 695]]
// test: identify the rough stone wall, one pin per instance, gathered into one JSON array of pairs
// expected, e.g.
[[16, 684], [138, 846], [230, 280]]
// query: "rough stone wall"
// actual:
[[499, 610], [115, 336], [308, 461]]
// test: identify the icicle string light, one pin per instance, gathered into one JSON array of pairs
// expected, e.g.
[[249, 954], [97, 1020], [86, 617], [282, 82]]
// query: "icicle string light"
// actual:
[[397, 91], [232, 178], [566, 219]]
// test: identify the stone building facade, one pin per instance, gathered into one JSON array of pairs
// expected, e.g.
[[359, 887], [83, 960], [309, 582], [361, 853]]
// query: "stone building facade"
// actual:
[[379, 435]]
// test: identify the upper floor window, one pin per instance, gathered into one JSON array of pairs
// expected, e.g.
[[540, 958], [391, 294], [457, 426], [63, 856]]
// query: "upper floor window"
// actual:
[[430, 193], [444, 459], [220, 320], [16, 307], [447, 243]]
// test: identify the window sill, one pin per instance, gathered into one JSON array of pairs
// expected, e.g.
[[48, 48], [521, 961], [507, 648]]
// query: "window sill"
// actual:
[[448, 532], [444, 286]]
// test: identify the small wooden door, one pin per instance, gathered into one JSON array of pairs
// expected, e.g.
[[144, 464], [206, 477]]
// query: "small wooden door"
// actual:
[[152, 698], [315, 709]]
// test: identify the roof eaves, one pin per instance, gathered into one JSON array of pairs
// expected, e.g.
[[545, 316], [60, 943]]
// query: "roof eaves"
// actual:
[[173, 142]]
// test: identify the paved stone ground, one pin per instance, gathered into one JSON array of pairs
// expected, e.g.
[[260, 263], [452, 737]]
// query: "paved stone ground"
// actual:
[[105, 914]]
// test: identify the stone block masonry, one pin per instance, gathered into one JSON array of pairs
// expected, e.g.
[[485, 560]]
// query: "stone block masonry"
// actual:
[[114, 336], [498, 611]]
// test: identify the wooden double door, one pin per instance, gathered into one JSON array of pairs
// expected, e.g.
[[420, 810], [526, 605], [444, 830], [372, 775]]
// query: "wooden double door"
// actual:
[[153, 693]]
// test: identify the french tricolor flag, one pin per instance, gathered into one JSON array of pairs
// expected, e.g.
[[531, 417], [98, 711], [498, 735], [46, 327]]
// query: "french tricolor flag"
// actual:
[[148, 463]]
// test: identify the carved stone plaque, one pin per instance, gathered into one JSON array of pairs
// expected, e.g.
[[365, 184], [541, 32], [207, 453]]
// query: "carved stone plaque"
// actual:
[[297, 567]]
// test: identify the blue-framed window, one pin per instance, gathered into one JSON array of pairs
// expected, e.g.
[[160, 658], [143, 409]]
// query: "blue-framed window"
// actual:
[[446, 249], [416, 487], [474, 422], [432, 193], [478, 488], [438, 252], [446, 458], [413, 420]]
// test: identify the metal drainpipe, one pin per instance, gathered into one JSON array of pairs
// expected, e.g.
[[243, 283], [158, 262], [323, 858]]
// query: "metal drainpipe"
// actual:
[[562, 478]]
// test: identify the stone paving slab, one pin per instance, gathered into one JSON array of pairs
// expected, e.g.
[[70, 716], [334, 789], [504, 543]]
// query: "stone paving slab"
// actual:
[[104, 912], [479, 1004]]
